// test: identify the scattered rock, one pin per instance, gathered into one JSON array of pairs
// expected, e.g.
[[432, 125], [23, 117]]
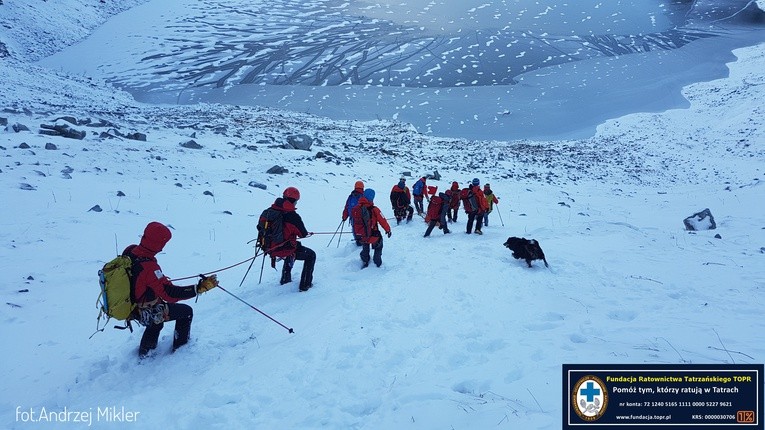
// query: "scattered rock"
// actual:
[[255, 184], [120, 194], [299, 141], [23, 145], [435, 175], [51, 147], [137, 136], [564, 204], [30, 278], [208, 193], [227, 212], [717, 236], [700, 221], [179, 185], [62, 130], [277, 170], [762, 249], [191, 144], [95, 208], [70, 119], [3, 121], [17, 128], [406, 174], [27, 187]]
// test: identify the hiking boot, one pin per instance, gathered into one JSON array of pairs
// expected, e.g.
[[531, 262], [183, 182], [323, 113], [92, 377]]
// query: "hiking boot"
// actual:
[[425, 235], [447, 231], [378, 264], [478, 232], [304, 289], [364, 264]]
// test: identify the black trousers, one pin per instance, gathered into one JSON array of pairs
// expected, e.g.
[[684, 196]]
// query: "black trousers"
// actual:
[[432, 225], [308, 256], [477, 217], [182, 314], [452, 213], [377, 247], [400, 213]]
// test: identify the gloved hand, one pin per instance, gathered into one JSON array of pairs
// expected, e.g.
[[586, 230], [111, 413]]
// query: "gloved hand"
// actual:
[[388, 233], [207, 283]]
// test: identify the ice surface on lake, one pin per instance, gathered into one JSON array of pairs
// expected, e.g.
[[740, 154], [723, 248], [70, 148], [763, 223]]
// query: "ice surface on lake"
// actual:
[[474, 68]]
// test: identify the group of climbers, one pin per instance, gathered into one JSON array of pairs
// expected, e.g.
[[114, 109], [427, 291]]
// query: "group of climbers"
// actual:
[[279, 228], [442, 208]]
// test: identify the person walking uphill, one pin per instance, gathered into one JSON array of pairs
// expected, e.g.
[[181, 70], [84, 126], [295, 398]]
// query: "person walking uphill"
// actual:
[[279, 228], [155, 296], [350, 203], [367, 222]]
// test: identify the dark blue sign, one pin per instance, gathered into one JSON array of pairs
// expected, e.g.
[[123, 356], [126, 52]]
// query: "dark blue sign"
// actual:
[[719, 397]]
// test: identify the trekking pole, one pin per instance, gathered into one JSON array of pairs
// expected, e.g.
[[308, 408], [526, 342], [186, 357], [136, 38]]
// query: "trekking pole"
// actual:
[[262, 265], [333, 236], [257, 249], [341, 234], [261, 312], [500, 216]]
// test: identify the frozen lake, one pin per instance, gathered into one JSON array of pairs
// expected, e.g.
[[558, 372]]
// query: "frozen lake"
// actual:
[[476, 69]]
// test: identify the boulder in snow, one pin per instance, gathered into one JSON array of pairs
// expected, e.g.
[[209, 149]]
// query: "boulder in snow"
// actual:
[[62, 130], [299, 141], [255, 184], [137, 136], [700, 221], [191, 144], [17, 127], [95, 208], [3, 121], [277, 170]]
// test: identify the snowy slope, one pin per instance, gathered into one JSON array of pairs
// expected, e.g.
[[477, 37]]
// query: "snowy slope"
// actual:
[[450, 332], [35, 29]]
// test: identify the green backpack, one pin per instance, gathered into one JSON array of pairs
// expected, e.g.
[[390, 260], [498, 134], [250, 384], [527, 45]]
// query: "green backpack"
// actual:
[[116, 298]]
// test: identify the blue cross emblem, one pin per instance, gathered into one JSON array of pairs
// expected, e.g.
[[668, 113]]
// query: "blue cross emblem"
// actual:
[[590, 392]]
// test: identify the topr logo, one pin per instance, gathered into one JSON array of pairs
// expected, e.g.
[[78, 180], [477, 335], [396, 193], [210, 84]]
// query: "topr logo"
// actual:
[[589, 398]]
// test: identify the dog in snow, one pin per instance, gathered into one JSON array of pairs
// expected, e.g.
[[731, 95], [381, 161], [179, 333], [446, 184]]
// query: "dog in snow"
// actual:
[[524, 249]]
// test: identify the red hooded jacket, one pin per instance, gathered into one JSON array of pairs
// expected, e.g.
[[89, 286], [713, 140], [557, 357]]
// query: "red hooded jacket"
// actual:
[[151, 285]]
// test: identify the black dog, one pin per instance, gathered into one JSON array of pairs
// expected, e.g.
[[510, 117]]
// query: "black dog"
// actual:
[[524, 249]]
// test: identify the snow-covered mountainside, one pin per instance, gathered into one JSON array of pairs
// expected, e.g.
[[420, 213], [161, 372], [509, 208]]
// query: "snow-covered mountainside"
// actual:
[[450, 332], [30, 30]]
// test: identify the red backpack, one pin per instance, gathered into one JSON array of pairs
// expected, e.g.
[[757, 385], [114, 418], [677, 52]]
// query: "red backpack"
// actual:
[[362, 225], [434, 209]]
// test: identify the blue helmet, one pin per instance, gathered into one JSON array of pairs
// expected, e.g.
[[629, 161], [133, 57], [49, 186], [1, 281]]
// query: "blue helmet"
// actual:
[[369, 194], [476, 181]]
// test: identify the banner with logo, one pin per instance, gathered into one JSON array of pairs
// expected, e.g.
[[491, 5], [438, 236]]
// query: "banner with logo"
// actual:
[[653, 396]]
